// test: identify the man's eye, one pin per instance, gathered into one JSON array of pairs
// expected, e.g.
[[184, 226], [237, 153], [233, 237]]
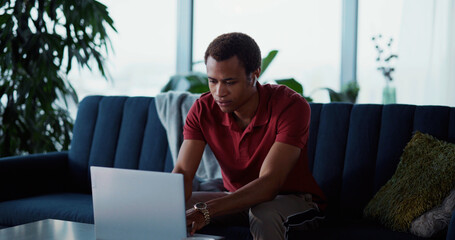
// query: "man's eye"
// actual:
[[212, 81], [230, 83]]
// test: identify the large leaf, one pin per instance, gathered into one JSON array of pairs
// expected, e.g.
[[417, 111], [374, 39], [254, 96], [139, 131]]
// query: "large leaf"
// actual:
[[194, 82], [172, 83], [292, 84], [198, 83], [267, 60]]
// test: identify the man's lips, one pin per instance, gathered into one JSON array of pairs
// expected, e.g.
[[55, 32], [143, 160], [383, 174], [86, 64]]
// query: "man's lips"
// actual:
[[223, 103]]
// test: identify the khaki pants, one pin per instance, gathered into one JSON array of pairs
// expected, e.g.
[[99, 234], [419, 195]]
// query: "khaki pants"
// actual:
[[266, 220]]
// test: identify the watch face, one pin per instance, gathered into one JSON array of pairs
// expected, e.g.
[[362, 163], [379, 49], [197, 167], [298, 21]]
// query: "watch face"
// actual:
[[200, 205]]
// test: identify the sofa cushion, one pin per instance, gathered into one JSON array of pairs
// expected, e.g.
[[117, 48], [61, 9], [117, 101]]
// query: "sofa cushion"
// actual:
[[330, 150], [424, 177], [63, 206], [115, 131]]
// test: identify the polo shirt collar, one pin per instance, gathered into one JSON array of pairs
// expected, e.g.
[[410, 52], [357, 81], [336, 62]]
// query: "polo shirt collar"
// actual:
[[262, 115]]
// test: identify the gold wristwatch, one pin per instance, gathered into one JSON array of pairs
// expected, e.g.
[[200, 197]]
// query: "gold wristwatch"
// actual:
[[202, 207]]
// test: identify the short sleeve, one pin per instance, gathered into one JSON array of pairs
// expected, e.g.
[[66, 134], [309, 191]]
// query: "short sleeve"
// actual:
[[192, 128], [293, 123]]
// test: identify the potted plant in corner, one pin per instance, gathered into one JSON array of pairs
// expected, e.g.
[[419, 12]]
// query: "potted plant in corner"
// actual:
[[39, 40], [385, 66]]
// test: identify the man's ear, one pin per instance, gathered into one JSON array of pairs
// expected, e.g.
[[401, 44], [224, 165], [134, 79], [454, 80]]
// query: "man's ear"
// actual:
[[255, 76], [257, 73]]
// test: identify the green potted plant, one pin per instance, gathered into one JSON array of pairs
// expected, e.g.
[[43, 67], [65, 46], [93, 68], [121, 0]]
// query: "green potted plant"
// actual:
[[39, 42], [349, 92]]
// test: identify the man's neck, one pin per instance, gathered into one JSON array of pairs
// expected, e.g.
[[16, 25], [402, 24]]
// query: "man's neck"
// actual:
[[245, 114]]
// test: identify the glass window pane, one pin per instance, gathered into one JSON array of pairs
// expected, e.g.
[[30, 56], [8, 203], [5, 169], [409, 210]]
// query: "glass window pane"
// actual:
[[144, 50], [306, 33], [375, 17]]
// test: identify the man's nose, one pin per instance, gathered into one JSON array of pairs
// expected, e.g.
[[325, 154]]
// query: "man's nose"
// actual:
[[221, 90]]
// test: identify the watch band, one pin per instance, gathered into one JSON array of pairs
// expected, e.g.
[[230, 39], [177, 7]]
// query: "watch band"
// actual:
[[202, 207]]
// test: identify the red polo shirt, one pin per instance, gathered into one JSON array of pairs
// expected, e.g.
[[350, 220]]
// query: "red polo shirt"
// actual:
[[282, 116]]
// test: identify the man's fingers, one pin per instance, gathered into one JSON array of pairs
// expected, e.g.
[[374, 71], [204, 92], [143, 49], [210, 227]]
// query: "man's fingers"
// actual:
[[193, 227]]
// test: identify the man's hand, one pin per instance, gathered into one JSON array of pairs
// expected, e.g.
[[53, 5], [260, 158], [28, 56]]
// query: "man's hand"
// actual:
[[279, 162], [194, 220]]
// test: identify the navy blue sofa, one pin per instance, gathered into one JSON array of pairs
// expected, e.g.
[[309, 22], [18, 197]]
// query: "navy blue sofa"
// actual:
[[353, 150]]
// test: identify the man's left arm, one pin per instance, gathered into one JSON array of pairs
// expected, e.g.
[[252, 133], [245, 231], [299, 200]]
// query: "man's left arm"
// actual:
[[277, 165]]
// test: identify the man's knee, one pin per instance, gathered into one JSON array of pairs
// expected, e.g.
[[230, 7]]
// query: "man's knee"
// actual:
[[266, 222], [265, 214]]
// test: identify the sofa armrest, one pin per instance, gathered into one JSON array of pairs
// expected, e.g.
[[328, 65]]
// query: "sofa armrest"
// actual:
[[451, 231], [35, 174]]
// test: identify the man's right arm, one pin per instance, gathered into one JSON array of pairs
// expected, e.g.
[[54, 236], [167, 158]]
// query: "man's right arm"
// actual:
[[190, 155]]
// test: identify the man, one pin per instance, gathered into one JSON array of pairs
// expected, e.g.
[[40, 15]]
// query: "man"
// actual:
[[259, 137]]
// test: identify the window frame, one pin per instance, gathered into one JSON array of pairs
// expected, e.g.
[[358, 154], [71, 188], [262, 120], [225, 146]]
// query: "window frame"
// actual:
[[348, 70]]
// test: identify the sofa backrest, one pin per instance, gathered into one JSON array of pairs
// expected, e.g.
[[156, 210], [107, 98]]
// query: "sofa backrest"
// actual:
[[355, 149], [114, 131]]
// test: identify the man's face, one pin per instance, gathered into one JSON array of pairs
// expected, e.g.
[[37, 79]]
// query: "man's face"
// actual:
[[229, 84]]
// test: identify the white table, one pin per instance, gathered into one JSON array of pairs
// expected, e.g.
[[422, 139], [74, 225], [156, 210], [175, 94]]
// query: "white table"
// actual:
[[50, 229]]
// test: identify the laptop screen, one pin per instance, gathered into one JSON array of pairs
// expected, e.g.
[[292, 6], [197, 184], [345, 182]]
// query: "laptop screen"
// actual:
[[135, 204]]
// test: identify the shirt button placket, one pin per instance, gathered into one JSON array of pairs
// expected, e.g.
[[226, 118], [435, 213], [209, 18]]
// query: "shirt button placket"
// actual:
[[243, 147]]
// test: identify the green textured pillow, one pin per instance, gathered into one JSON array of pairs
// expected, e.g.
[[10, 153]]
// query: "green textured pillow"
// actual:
[[424, 177]]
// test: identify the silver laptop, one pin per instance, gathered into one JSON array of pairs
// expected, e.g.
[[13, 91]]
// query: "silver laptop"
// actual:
[[135, 204]]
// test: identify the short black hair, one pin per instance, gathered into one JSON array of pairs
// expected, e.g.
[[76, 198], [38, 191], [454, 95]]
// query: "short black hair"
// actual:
[[237, 44]]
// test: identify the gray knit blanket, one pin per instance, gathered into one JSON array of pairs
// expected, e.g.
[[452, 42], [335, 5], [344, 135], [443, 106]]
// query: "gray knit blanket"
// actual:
[[172, 108]]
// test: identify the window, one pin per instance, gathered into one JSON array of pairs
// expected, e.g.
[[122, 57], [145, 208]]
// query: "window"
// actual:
[[375, 17], [144, 54], [306, 33]]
